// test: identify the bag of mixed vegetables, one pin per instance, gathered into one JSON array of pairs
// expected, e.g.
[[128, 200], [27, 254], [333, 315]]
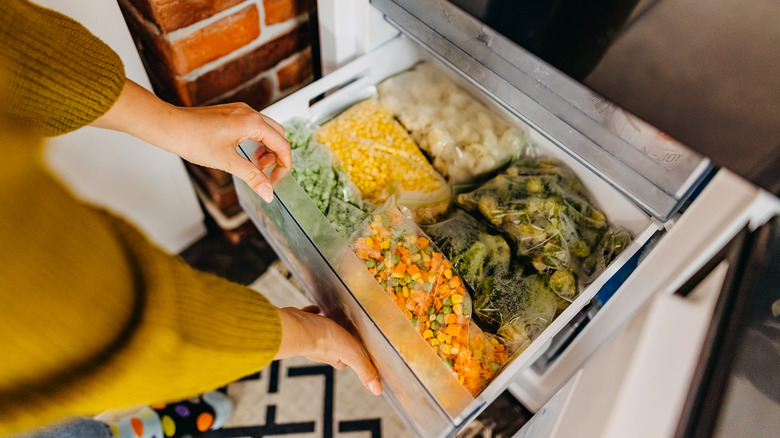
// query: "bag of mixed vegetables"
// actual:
[[382, 160], [554, 227], [324, 181], [464, 139], [429, 293]]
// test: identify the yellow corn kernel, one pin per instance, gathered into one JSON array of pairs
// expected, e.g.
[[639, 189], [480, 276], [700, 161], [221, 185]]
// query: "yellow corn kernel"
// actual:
[[457, 298], [441, 337], [494, 341], [434, 342], [448, 275], [427, 333], [377, 152], [449, 339], [458, 309], [405, 291], [477, 354], [385, 244], [417, 277], [446, 349], [369, 241]]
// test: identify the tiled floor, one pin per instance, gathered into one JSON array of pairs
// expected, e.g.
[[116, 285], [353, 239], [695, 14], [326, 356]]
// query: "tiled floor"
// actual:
[[303, 399]]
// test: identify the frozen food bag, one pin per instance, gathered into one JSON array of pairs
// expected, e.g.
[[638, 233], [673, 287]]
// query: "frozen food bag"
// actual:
[[464, 139], [429, 294], [553, 225], [324, 180], [474, 251], [382, 160], [517, 306], [298, 132], [313, 169]]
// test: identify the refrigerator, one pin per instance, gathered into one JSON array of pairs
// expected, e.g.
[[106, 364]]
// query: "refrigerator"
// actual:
[[660, 343]]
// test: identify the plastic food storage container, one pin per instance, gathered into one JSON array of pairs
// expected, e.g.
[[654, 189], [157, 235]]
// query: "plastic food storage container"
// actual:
[[417, 383]]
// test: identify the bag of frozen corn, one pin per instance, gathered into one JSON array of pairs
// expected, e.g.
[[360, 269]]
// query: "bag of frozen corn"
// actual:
[[430, 294], [464, 139], [382, 160]]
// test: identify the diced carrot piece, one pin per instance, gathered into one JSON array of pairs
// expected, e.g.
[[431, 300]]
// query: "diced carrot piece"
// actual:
[[404, 252], [454, 282], [412, 270], [400, 268], [422, 243], [451, 318]]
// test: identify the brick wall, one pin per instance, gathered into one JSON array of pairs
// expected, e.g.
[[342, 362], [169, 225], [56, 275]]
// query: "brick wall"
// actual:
[[202, 52]]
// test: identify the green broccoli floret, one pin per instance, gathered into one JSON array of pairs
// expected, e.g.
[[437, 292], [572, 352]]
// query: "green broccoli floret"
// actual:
[[471, 263], [562, 282]]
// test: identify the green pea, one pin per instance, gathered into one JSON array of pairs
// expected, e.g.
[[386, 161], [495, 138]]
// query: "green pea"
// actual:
[[446, 310], [370, 263], [440, 318], [448, 302], [434, 325]]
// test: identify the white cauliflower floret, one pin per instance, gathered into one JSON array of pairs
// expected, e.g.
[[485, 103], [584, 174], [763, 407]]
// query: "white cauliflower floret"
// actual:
[[461, 135]]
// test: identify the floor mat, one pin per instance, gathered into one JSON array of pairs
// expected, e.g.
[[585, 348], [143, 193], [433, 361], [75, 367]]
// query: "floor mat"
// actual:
[[299, 398]]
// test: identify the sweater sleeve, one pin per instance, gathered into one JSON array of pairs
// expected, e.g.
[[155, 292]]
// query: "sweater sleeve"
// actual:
[[58, 76], [92, 315]]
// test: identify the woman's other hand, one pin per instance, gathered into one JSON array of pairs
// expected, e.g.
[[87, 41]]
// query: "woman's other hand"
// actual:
[[207, 136], [305, 333]]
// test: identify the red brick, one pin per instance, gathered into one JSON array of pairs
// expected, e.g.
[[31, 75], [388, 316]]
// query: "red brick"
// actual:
[[232, 74], [278, 11], [170, 15], [258, 95], [296, 72], [224, 196], [214, 41]]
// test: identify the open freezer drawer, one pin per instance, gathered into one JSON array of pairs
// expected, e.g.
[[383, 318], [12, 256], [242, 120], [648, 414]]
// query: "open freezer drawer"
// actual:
[[417, 383]]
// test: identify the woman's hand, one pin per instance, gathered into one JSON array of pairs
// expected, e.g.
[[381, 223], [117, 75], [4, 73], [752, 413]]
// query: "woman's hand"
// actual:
[[207, 136], [304, 333]]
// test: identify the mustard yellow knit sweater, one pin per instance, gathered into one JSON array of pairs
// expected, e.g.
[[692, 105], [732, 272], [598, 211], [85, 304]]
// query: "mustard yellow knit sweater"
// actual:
[[93, 316]]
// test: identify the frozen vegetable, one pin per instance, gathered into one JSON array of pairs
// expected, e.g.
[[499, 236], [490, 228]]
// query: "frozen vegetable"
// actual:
[[474, 251], [518, 306], [426, 289], [327, 185], [298, 133], [313, 169], [554, 227], [464, 138], [381, 159]]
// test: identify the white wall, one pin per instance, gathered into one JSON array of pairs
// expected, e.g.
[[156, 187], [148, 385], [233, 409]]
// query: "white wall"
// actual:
[[147, 186]]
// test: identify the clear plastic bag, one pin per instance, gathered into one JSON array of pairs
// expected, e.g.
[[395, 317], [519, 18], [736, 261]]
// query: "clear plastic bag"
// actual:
[[518, 306], [464, 139], [475, 252], [424, 287], [554, 227], [313, 169], [324, 181], [382, 160]]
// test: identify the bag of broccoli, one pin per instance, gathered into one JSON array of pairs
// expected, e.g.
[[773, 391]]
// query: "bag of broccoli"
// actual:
[[518, 306], [553, 225], [472, 249]]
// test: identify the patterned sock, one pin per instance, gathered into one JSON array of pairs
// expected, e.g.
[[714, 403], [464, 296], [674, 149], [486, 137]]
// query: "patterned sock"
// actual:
[[185, 419]]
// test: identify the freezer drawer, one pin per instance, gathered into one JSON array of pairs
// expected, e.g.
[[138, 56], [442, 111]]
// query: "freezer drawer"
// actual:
[[417, 383]]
